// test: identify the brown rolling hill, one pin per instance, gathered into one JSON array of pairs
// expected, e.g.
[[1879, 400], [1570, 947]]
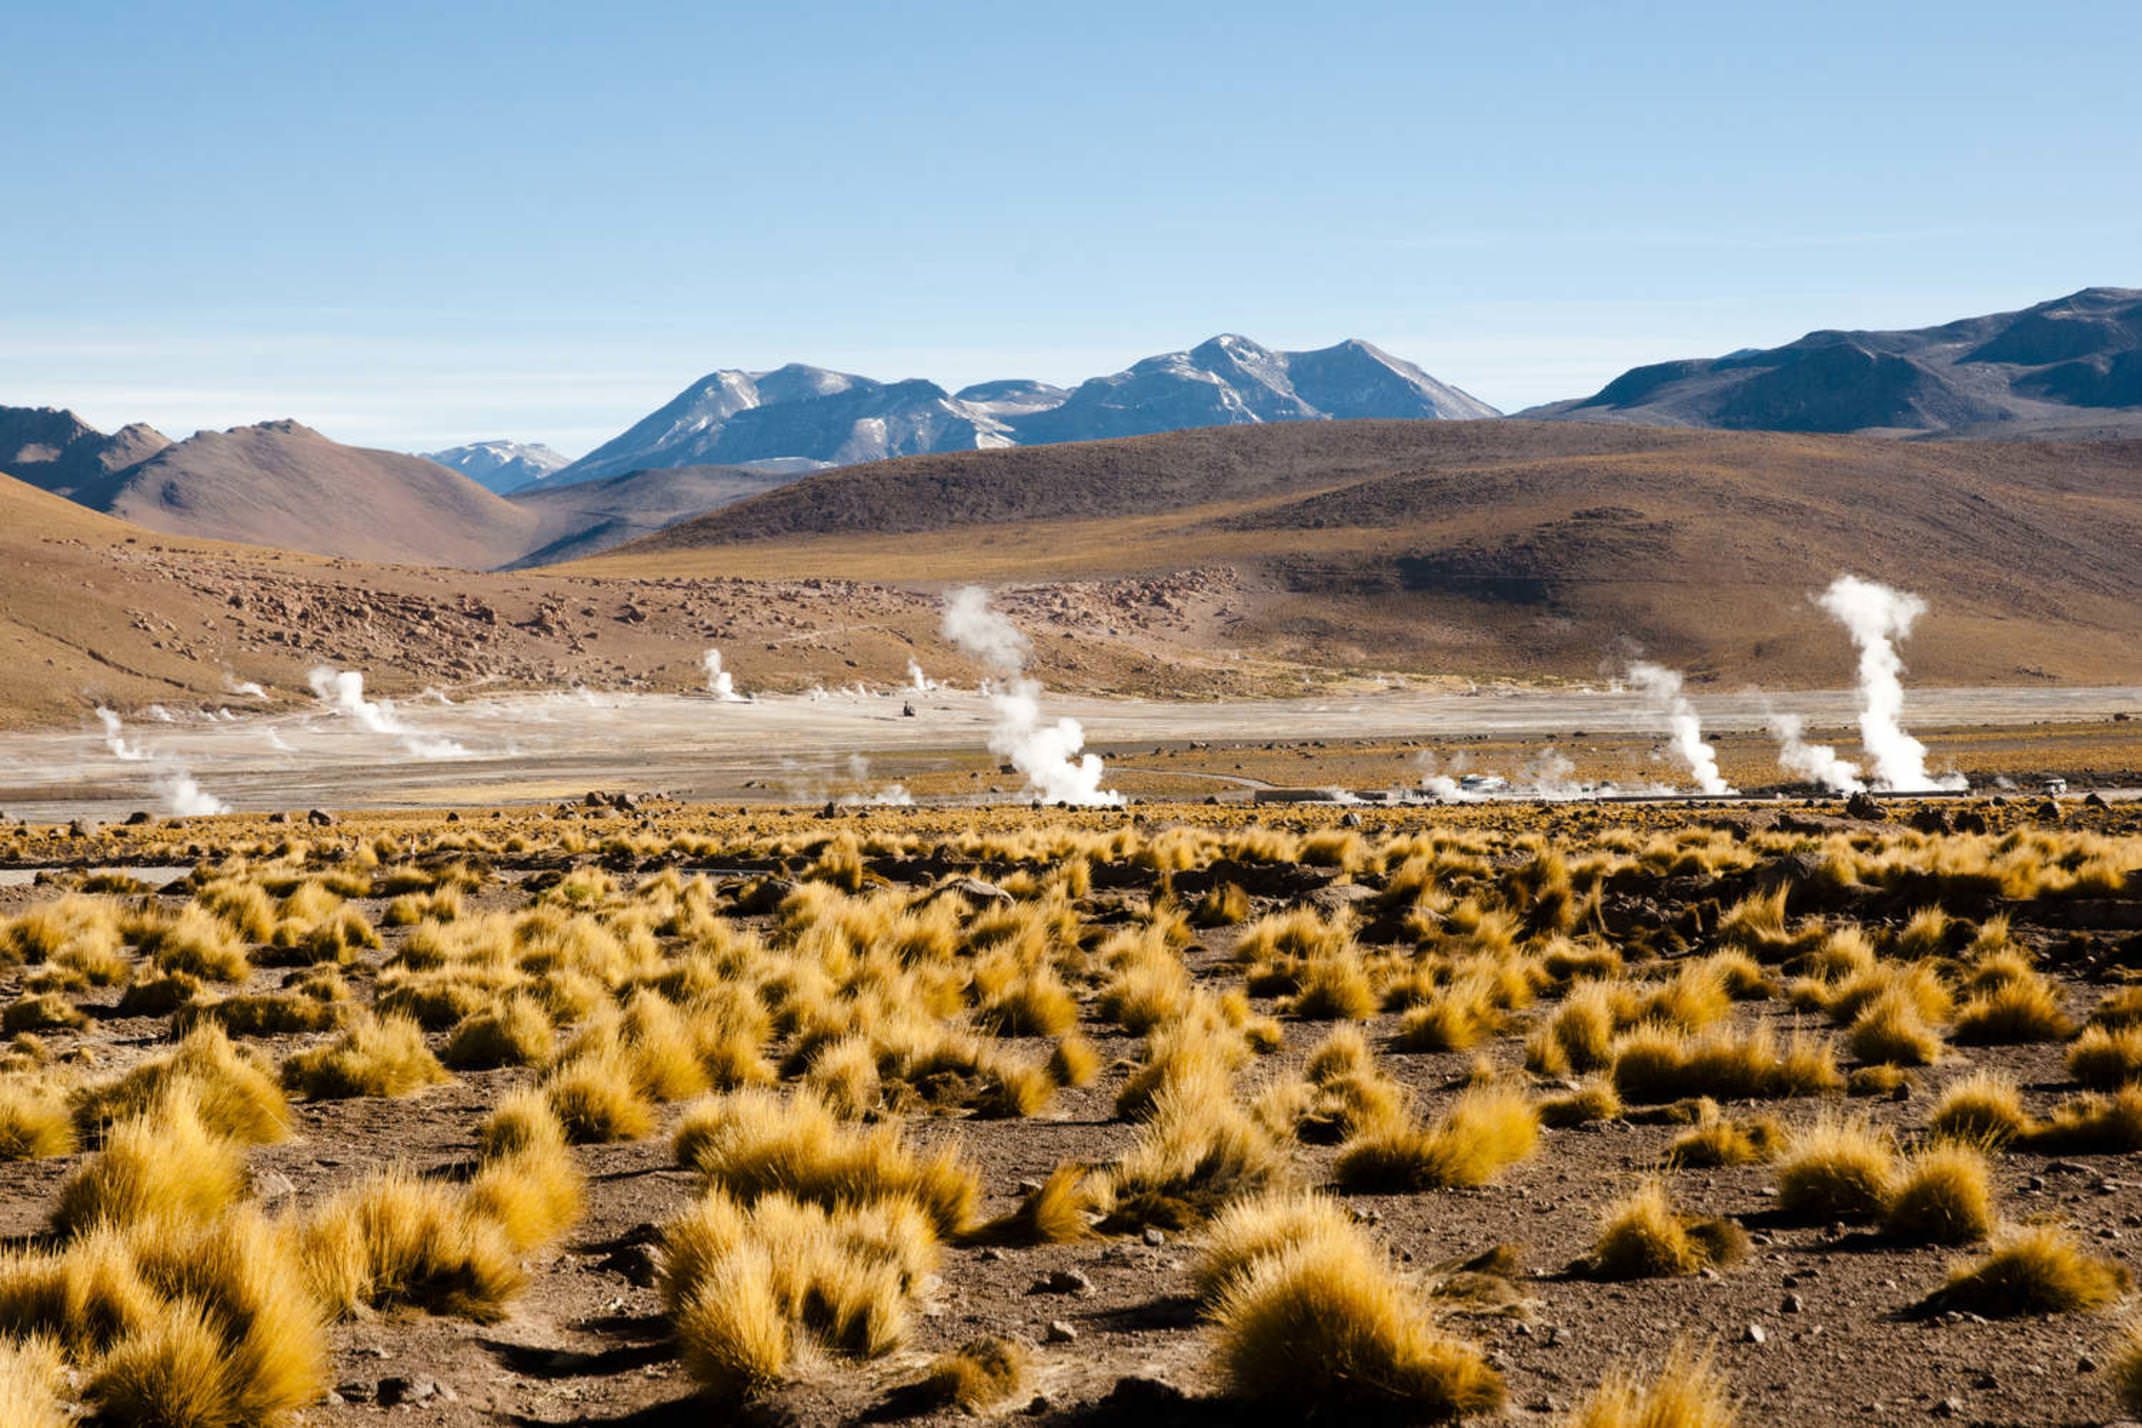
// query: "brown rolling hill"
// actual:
[[283, 484], [1505, 548], [94, 610]]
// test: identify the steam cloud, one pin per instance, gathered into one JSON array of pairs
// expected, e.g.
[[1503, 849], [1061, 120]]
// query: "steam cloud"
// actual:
[[1878, 619], [1047, 754], [342, 690], [719, 682], [115, 738], [1661, 687], [1818, 763], [181, 792], [183, 795], [917, 681]]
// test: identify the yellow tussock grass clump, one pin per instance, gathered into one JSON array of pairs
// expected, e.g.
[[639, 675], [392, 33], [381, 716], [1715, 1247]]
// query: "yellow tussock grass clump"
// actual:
[[1688, 1392], [1643, 1236], [1487, 1129], [1325, 1325], [1943, 1196], [393, 1240], [2038, 1269], [29, 1386], [1836, 1169], [377, 1056], [161, 1165], [233, 1093], [980, 1375], [751, 1143]]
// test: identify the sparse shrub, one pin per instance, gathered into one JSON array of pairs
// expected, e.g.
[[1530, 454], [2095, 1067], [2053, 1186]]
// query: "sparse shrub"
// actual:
[[161, 1165], [1983, 1108], [1485, 1130], [513, 1032], [735, 1338], [234, 1095], [2106, 1060], [2026, 1009], [1325, 1326], [1223, 905], [1943, 1196], [395, 1240], [377, 1056], [1836, 1169], [1334, 988], [1688, 1392], [979, 1376], [1643, 1237], [2038, 1269], [1258, 1227]]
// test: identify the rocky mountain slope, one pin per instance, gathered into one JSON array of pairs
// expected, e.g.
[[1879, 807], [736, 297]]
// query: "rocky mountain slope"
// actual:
[[61, 453], [500, 466], [2069, 367], [1508, 547], [800, 417], [283, 484], [586, 517]]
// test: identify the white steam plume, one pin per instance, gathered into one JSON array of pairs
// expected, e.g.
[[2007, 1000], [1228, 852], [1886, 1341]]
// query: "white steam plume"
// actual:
[[1047, 754], [720, 683], [249, 688], [917, 681], [1661, 687], [115, 738], [1818, 763], [183, 795], [342, 690], [1878, 618]]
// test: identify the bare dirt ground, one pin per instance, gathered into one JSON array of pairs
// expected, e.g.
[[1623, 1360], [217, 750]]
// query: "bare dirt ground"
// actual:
[[1816, 1325]]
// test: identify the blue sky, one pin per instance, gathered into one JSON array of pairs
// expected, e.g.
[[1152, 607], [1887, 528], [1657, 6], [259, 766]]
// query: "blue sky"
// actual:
[[414, 224]]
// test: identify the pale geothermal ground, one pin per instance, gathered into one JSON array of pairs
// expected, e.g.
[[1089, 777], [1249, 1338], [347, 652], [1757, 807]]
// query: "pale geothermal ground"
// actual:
[[526, 748]]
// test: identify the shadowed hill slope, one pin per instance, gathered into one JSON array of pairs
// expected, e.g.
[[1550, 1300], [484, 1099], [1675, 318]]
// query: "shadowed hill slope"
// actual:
[[1509, 547], [283, 484]]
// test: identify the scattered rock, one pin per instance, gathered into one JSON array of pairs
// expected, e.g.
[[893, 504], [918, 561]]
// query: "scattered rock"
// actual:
[[320, 818], [1791, 1304], [1949, 1408], [1755, 1334], [397, 1390], [1063, 1281], [1060, 1332], [1155, 1237], [1866, 807]]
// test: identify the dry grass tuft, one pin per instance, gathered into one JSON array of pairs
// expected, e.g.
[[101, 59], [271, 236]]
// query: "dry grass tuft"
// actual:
[[1716, 1141], [2039, 1269], [1689, 1392], [395, 1240], [1943, 1196], [752, 1143], [1836, 1169], [979, 1376], [1052, 1215], [1485, 1130], [377, 1056], [1643, 1237], [2026, 1009], [234, 1094], [1325, 1326], [29, 1385], [2105, 1060], [163, 1165], [1984, 1108], [35, 1123]]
